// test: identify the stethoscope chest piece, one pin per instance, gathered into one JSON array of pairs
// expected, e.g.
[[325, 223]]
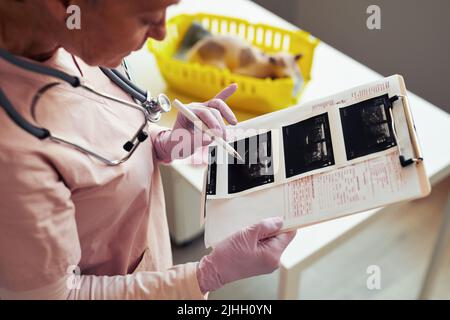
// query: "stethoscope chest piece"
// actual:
[[156, 107]]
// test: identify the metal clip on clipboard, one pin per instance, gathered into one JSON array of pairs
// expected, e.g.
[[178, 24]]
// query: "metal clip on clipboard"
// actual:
[[409, 149]]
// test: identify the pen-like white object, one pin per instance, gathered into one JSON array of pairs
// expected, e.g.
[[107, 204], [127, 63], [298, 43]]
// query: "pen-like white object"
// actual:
[[198, 123]]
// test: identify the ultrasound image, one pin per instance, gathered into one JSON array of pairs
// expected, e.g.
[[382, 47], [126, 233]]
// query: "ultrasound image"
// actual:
[[307, 145], [212, 171], [367, 127], [257, 168]]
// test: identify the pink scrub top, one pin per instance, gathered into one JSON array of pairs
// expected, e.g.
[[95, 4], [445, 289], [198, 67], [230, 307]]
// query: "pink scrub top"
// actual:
[[61, 209]]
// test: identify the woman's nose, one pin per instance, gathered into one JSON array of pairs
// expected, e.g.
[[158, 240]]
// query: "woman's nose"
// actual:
[[157, 28], [157, 32], [159, 18]]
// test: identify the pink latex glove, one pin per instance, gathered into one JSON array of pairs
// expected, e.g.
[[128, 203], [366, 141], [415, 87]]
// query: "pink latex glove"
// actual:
[[182, 134], [245, 254]]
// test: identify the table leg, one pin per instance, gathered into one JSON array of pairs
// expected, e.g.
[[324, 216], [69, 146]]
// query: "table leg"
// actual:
[[289, 283], [438, 253]]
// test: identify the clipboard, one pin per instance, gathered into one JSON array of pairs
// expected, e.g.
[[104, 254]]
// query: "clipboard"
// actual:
[[222, 218], [410, 152], [408, 156]]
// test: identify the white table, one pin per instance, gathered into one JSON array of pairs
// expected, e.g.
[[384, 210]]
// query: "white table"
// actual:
[[332, 72]]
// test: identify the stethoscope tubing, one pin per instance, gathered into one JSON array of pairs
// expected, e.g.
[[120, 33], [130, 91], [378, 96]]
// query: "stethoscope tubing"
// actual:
[[41, 133], [40, 69], [125, 84]]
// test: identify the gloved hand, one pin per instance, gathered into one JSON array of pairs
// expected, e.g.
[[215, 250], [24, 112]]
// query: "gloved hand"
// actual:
[[247, 253], [182, 134]]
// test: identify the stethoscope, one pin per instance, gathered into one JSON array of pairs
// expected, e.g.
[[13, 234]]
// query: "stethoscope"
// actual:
[[150, 107]]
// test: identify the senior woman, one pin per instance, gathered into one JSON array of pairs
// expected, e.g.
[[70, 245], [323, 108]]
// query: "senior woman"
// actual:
[[60, 209]]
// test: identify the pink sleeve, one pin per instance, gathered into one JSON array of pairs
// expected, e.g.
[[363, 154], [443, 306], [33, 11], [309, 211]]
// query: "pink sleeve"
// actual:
[[160, 136], [178, 283], [39, 244]]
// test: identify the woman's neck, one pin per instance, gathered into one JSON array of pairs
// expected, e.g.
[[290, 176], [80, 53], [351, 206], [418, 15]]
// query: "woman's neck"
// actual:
[[23, 35]]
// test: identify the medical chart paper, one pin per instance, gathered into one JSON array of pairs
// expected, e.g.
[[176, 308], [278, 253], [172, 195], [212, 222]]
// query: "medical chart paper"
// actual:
[[345, 174]]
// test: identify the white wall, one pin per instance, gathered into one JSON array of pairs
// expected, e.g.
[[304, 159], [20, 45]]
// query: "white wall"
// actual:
[[414, 39]]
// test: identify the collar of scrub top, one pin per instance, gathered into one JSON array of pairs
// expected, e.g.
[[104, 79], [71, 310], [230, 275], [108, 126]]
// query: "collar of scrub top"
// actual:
[[147, 106]]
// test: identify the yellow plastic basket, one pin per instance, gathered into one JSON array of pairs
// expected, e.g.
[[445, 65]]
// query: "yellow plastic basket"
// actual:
[[203, 82]]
